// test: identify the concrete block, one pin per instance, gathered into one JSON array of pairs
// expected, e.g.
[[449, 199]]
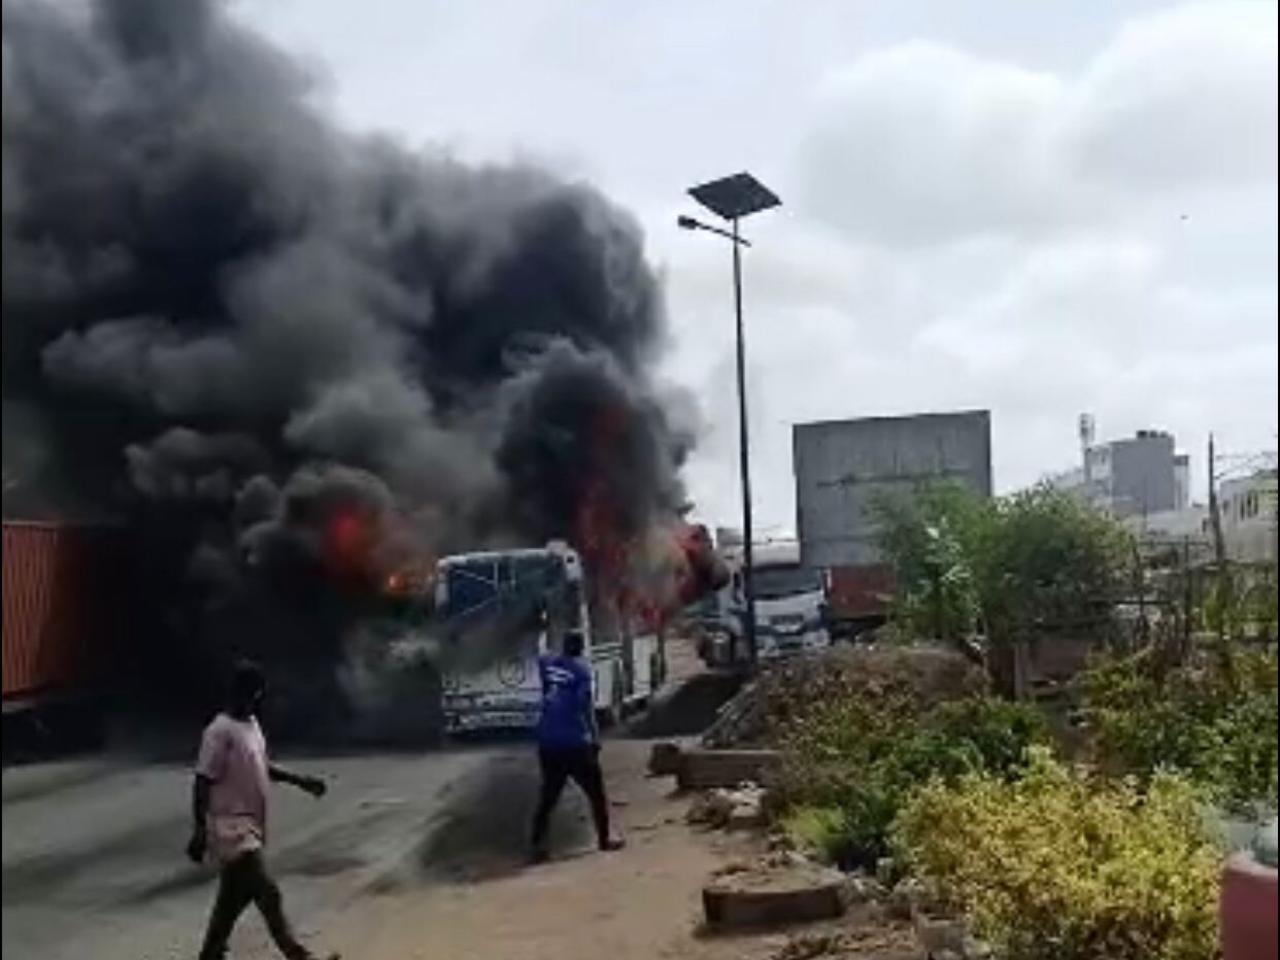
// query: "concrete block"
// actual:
[[753, 901], [704, 769]]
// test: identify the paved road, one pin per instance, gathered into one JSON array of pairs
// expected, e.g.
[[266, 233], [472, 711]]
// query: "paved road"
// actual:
[[93, 865]]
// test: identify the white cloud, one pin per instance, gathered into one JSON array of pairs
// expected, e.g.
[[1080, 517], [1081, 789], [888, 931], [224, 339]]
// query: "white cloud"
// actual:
[[979, 234], [924, 143], [1184, 96]]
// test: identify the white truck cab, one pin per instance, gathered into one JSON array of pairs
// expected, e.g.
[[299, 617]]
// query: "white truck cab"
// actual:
[[790, 601]]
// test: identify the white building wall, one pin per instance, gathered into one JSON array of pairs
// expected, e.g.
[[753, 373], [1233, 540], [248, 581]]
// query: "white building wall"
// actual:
[[1248, 507]]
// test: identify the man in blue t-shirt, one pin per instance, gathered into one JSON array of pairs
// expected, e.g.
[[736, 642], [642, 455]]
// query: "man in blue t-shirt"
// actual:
[[569, 742]]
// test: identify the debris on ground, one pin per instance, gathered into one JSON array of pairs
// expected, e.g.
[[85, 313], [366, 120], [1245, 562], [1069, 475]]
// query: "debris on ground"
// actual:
[[664, 759], [710, 809], [739, 808], [927, 674], [874, 941]]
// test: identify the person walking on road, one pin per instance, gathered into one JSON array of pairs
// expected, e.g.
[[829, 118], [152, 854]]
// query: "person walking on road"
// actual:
[[569, 743], [229, 806]]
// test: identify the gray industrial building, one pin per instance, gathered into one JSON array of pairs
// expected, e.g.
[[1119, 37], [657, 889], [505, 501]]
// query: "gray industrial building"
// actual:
[[841, 466], [1133, 476]]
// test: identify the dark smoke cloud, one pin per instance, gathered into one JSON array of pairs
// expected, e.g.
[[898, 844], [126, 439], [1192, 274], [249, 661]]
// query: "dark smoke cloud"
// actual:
[[185, 463], [228, 321]]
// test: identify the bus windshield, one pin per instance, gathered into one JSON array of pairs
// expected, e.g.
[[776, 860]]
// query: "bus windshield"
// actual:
[[512, 588]]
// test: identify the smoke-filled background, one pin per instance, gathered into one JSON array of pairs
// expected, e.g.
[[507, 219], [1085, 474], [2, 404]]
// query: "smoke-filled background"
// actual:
[[294, 362]]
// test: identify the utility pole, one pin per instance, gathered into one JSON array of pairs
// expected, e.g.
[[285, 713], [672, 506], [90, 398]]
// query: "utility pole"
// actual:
[[1224, 598], [1215, 512], [733, 198], [1187, 597], [744, 463]]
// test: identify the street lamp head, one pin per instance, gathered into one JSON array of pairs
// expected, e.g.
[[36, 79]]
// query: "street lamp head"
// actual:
[[735, 197], [692, 223]]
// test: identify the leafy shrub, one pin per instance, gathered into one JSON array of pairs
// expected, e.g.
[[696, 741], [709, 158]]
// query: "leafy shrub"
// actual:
[[863, 760], [998, 730], [1215, 723], [817, 830], [1053, 866]]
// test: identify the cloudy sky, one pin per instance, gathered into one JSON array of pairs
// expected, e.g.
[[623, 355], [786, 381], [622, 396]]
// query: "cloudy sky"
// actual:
[[1037, 208]]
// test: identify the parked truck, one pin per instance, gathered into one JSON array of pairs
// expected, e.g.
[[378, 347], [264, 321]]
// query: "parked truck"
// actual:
[[790, 607], [61, 584]]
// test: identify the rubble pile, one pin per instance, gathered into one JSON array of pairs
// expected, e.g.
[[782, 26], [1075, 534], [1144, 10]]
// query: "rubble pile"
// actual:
[[760, 710]]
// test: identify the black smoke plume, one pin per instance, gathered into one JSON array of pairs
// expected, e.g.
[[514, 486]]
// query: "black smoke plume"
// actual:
[[272, 347]]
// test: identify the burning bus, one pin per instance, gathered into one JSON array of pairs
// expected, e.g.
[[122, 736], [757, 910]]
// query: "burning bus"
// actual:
[[498, 610]]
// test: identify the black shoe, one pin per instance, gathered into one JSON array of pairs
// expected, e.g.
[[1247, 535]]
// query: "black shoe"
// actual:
[[538, 856], [612, 844]]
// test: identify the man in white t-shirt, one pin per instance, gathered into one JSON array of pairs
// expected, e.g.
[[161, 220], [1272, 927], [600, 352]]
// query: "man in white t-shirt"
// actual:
[[230, 811]]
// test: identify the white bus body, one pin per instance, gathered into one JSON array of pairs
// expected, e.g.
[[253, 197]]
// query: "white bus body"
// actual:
[[490, 599]]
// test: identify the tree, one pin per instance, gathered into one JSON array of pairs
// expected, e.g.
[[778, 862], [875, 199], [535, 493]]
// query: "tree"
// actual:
[[931, 538], [1034, 564]]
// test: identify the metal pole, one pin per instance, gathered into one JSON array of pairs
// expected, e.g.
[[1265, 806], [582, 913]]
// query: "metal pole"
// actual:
[[744, 454]]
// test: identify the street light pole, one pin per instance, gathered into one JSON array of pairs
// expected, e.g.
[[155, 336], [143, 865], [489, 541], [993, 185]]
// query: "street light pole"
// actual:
[[733, 198], [744, 463]]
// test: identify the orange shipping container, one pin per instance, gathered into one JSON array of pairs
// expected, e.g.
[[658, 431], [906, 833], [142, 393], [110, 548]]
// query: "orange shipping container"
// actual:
[[56, 582], [860, 592]]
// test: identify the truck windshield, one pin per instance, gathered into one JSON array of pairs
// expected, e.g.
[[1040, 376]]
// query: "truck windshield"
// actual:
[[774, 583]]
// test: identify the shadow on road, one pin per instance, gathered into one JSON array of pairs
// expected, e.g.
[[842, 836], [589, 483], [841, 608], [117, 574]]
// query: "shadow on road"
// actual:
[[40, 877], [482, 830]]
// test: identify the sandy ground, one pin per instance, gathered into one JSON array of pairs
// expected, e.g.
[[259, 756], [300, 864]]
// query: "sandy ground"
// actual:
[[642, 902], [457, 902], [470, 896]]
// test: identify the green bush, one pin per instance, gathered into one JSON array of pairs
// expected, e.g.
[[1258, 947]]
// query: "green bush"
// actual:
[[1053, 866], [1216, 724], [861, 761], [820, 831]]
